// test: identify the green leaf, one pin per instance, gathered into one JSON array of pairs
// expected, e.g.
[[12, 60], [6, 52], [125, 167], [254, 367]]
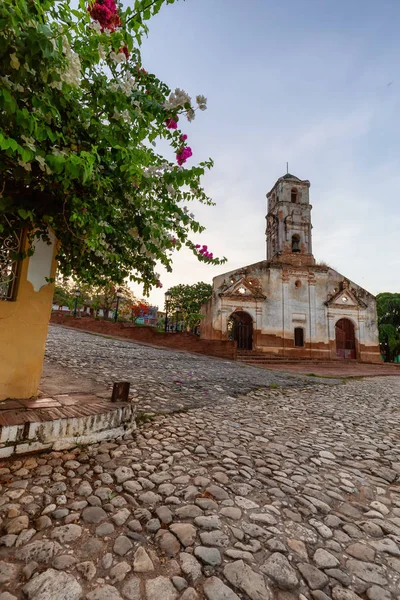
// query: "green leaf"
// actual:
[[56, 163], [26, 154], [23, 213], [8, 101]]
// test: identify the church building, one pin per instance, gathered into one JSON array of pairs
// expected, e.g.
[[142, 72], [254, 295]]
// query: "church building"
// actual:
[[289, 305]]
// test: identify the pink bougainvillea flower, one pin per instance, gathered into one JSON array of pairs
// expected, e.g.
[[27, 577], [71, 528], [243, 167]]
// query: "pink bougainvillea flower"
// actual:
[[183, 155], [111, 4], [184, 137], [172, 123], [105, 12], [203, 251], [100, 12]]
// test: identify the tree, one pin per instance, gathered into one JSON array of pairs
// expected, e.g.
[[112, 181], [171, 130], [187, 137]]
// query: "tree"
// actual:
[[137, 309], [62, 293], [95, 297], [104, 297], [186, 301], [388, 308], [79, 121]]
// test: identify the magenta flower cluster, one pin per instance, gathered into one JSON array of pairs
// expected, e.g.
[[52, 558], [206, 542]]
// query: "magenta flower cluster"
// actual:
[[159, 284], [106, 13], [172, 123], [204, 251], [183, 155]]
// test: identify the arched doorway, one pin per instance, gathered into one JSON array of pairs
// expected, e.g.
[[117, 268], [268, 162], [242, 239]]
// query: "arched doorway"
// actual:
[[345, 339], [240, 329]]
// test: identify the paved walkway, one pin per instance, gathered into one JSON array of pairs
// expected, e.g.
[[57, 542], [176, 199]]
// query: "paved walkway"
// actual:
[[288, 494], [333, 369]]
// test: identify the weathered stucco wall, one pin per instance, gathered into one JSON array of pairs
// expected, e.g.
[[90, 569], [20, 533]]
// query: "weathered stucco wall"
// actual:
[[306, 297], [110, 422], [23, 327]]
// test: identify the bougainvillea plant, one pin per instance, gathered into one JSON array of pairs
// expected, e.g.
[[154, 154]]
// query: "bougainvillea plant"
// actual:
[[80, 119]]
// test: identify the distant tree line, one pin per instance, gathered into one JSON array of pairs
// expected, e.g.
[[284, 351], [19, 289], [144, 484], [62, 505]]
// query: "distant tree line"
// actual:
[[93, 299], [388, 307]]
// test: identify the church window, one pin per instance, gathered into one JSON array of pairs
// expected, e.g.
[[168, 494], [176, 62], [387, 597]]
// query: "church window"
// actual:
[[299, 336], [297, 283], [293, 195], [295, 243]]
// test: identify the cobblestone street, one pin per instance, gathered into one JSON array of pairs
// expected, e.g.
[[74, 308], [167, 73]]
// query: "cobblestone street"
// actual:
[[162, 380], [252, 485]]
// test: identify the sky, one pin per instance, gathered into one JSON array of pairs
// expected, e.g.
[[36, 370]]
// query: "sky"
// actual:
[[314, 83]]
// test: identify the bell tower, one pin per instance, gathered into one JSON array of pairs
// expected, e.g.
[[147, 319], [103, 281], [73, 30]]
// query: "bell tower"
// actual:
[[289, 222]]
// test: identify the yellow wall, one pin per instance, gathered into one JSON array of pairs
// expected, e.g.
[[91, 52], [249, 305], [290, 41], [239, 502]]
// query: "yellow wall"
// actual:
[[23, 332]]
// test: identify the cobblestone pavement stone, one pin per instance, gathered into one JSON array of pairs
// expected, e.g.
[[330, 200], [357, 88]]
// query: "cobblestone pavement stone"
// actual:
[[286, 494], [162, 380]]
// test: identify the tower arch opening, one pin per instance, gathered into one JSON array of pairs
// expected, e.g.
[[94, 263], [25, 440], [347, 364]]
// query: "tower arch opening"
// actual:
[[296, 243]]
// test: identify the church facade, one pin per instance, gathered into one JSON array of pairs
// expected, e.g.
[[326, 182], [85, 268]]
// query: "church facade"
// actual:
[[289, 305]]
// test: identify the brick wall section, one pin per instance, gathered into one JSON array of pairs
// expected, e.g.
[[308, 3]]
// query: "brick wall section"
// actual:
[[178, 341]]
